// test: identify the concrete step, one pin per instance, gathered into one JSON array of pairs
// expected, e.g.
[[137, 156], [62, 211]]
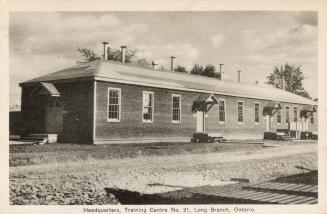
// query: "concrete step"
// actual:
[[45, 138]]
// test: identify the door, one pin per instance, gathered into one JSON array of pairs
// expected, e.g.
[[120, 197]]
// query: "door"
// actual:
[[200, 121], [54, 115], [268, 123]]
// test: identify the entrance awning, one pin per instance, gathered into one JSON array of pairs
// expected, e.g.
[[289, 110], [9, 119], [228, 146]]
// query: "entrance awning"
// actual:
[[45, 88], [307, 110], [202, 101], [271, 107]]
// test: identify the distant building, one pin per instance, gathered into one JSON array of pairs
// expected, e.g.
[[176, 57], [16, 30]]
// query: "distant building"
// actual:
[[105, 102]]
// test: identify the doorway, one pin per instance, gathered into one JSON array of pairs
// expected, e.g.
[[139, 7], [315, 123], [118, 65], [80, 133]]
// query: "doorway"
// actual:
[[200, 121], [268, 123]]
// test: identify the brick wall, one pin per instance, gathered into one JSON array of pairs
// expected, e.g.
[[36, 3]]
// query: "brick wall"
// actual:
[[132, 127], [76, 112]]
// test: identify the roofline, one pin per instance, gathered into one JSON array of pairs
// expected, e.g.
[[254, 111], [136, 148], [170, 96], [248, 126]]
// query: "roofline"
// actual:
[[105, 79], [72, 79]]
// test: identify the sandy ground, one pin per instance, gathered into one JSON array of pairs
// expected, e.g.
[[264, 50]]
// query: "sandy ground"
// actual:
[[165, 172]]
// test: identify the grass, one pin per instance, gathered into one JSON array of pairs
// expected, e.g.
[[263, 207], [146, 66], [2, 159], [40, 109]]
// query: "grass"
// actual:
[[57, 152]]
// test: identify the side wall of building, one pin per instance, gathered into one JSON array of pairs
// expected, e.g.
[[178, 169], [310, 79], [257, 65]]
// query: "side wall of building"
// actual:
[[72, 120], [131, 126], [77, 98]]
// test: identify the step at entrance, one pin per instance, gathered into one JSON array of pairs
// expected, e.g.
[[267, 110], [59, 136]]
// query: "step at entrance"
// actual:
[[44, 138]]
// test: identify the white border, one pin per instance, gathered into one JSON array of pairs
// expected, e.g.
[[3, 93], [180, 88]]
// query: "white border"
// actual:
[[94, 108]]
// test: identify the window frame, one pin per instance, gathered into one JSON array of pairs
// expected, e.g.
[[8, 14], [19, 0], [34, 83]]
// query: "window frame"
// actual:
[[297, 118], [224, 100], [240, 101], [255, 122], [279, 112], [180, 108], [152, 112], [289, 119], [119, 105]]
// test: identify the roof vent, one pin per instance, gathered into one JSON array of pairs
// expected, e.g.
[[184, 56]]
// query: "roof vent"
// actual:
[[239, 76], [105, 53], [172, 68], [123, 48], [221, 74]]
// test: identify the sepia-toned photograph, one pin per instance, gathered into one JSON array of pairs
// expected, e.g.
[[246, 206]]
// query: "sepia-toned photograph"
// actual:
[[163, 108]]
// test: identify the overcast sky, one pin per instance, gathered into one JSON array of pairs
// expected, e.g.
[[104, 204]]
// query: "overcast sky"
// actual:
[[253, 42]]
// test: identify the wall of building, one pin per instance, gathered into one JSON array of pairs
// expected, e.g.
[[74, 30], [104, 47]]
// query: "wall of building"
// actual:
[[74, 117], [33, 111], [77, 100], [132, 127]]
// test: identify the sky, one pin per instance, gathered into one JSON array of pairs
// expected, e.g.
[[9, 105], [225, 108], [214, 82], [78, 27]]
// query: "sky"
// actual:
[[253, 42]]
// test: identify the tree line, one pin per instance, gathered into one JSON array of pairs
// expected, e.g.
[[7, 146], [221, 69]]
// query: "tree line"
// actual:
[[289, 77]]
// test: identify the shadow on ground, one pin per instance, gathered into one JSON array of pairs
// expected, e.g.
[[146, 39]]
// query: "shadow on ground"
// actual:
[[187, 195]]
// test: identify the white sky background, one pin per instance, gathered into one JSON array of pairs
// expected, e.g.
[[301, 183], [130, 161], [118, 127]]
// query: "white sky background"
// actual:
[[253, 42]]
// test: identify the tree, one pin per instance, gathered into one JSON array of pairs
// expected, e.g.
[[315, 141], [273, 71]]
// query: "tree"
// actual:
[[88, 55], [197, 69], [289, 75], [208, 71], [181, 69], [113, 54], [143, 63]]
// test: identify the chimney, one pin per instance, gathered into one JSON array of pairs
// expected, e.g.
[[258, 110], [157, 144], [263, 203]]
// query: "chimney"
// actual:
[[172, 63], [153, 64], [239, 76], [123, 48], [105, 52], [221, 74]]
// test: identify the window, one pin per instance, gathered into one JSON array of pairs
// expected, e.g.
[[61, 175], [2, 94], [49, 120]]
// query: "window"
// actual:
[[279, 117], [147, 107], [221, 111], [287, 114], [176, 108], [240, 112], [295, 113], [113, 107], [256, 112], [312, 119]]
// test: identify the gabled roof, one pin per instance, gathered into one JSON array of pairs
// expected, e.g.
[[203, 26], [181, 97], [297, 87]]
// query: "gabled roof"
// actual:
[[111, 71], [45, 88]]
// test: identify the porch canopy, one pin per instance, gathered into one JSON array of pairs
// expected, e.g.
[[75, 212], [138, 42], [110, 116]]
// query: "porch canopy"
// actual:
[[45, 88], [204, 102], [307, 110], [271, 108]]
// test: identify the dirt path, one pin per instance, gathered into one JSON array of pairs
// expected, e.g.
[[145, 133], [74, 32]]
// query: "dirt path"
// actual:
[[173, 160], [83, 182]]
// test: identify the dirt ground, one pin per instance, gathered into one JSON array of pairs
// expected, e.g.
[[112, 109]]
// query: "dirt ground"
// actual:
[[83, 181]]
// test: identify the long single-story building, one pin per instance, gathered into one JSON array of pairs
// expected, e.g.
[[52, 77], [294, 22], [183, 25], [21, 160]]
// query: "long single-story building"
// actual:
[[106, 101]]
